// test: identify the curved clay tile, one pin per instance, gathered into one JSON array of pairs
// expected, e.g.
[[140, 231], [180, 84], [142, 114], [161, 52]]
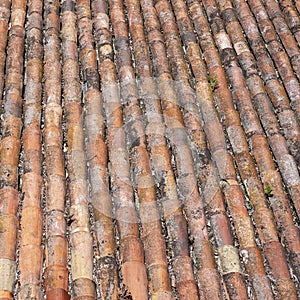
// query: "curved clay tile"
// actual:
[[4, 21]]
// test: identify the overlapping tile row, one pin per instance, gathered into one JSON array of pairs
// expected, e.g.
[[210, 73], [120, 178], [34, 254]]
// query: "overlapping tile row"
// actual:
[[11, 126], [56, 244], [150, 149], [96, 155], [80, 236], [31, 252]]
